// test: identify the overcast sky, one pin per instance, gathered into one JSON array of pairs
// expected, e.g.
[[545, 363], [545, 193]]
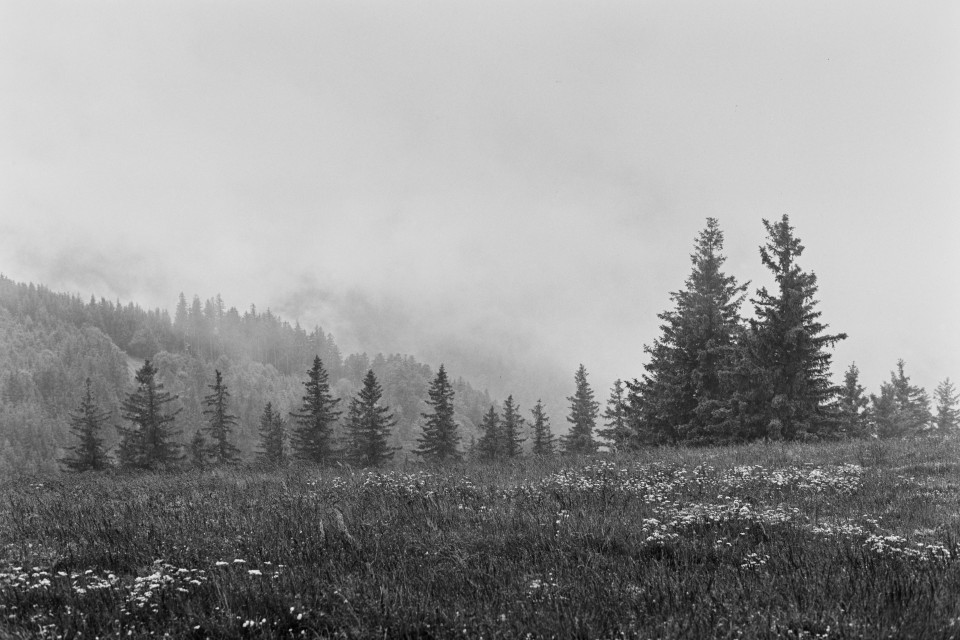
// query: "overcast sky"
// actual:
[[511, 180]]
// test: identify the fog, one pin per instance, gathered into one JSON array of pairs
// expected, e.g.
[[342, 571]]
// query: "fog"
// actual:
[[511, 188]]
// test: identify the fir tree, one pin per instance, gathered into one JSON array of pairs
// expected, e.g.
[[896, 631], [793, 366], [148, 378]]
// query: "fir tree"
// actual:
[[440, 439], [220, 422], [86, 425], [313, 437], [542, 436], [510, 426], [199, 450], [489, 447], [853, 404], [682, 396], [617, 431], [901, 408], [272, 438], [788, 349], [582, 418], [948, 400], [369, 425], [150, 442]]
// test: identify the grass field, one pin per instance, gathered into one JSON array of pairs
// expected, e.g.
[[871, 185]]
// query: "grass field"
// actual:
[[847, 540]]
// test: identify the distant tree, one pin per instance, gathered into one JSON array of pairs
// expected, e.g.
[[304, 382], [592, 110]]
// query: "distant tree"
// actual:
[[853, 404], [199, 450], [542, 436], [313, 437], [440, 440], [220, 422], [272, 437], [902, 408], [787, 349], [617, 430], [948, 406], [682, 396], [582, 418], [511, 424], [86, 425], [368, 426], [182, 315], [490, 443], [150, 442]]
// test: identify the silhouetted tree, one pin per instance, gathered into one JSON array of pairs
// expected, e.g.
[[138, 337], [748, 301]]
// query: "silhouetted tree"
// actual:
[[490, 443], [368, 426], [510, 425], [272, 437], [853, 404], [901, 408], [583, 417], [86, 425], [440, 440], [542, 436], [150, 442], [220, 422], [617, 431], [199, 450], [948, 401], [313, 437]]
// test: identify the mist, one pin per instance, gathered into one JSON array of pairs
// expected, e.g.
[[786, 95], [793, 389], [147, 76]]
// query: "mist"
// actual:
[[509, 188]]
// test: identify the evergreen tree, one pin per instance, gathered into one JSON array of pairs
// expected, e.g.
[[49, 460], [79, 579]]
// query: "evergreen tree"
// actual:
[[901, 408], [510, 427], [150, 442], [489, 445], [788, 349], [313, 437], [220, 422], [369, 425], [582, 418], [542, 436], [617, 431], [199, 450], [948, 400], [682, 396], [853, 404], [440, 439], [86, 425], [272, 437]]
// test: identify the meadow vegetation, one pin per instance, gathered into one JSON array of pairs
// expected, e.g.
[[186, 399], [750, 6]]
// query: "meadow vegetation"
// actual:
[[852, 539]]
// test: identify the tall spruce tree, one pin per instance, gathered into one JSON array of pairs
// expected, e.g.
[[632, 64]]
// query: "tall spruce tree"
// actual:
[[489, 445], [853, 404], [86, 425], [313, 436], [542, 436], [220, 423], [582, 418], [511, 424], [150, 442], [682, 396], [368, 426], [948, 406], [617, 430], [440, 440], [787, 349], [272, 437]]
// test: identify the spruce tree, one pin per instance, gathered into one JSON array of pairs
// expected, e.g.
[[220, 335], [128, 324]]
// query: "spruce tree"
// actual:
[[220, 423], [542, 436], [617, 430], [948, 406], [313, 437], [272, 438], [788, 349], [368, 426], [902, 408], [582, 418], [150, 442], [440, 440], [86, 425], [853, 403], [489, 446], [510, 426], [199, 450], [682, 396]]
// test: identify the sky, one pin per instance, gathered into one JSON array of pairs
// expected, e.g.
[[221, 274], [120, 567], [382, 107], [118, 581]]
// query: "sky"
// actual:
[[513, 188]]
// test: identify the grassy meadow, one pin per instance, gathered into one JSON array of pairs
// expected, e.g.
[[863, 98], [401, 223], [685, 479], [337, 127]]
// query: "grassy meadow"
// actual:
[[841, 540]]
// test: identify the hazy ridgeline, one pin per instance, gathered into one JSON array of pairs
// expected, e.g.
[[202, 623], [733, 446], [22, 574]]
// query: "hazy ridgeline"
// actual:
[[855, 539]]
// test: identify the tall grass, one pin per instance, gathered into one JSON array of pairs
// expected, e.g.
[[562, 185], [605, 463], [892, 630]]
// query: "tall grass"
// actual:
[[768, 540]]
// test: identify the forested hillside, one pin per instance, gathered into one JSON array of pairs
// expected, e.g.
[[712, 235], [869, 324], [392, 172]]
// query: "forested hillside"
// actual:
[[51, 342]]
